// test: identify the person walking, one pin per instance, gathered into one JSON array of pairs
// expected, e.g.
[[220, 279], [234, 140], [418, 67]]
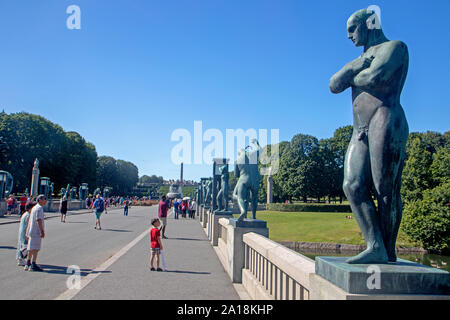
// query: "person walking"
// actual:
[[22, 242], [63, 208], [193, 208], [125, 207], [99, 207], [162, 214], [23, 203], [35, 233], [176, 208], [10, 205]]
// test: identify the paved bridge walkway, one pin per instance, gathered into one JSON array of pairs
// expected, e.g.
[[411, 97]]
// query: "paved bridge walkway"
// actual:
[[114, 262]]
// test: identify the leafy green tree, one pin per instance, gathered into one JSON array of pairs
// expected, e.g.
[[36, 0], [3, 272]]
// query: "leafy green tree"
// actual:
[[417, 173], [427, 221], [297, 167], [440, 168]]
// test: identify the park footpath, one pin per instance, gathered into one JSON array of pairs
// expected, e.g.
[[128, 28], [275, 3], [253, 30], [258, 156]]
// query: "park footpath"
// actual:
[[194, 271], [15, 218]]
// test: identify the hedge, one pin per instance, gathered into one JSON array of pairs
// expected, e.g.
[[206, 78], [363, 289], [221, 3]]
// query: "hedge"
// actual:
[[299, 207]]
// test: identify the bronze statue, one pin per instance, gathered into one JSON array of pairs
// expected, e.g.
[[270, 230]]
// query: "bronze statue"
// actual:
[[376, 154], [247, 187]]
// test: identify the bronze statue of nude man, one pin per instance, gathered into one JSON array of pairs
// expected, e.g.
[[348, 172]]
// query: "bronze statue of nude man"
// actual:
[[376, 154]]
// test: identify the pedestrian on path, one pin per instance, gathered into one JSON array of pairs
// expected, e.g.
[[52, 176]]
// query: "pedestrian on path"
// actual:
[[10, 203], [23, 203], [99, 207], [162, 214], [35, 233], [176, 208], [193, 209], [155, 244], [184, 208], [63, 208], [22, 242], [125, 208]]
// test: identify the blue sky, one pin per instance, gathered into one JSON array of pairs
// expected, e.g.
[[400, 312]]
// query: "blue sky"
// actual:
[[139, 69]]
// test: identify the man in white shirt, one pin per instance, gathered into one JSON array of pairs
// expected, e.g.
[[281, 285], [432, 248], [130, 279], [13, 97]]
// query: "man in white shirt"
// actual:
[[35, 233], [193, 209]]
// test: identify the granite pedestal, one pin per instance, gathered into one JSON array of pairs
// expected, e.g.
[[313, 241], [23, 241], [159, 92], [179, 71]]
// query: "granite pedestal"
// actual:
[[200, 213], [400, 278], [205, 216], [215, 216], [235, 244]]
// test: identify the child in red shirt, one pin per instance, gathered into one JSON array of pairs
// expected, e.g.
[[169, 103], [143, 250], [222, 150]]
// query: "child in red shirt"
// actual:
[[155, 244]]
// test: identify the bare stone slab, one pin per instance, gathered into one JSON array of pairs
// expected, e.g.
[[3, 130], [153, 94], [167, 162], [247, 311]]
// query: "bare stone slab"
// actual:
[[248, 223], [402, 277]]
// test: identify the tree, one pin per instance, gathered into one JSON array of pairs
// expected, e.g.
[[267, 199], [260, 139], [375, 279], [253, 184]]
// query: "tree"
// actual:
[[440, 168], [297, 167], [417, 174], [427, 220]]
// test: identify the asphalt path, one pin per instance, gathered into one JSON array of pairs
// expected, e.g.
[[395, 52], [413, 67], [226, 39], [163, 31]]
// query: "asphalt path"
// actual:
[[194, 271]]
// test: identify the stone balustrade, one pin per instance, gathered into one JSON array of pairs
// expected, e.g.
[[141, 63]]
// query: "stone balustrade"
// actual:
[[267, 270]]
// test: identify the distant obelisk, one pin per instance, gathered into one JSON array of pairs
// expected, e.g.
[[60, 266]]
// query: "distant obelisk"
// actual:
[[180, 188], [181, 177], [35, 179]]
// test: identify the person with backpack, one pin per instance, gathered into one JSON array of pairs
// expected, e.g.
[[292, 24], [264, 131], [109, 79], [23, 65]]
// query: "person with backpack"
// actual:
[[99, 207]]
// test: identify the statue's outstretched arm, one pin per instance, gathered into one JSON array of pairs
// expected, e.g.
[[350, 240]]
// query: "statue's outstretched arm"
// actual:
[[388, 60]]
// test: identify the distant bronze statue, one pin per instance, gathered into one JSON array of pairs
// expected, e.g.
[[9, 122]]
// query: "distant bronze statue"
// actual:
[[222, 195], [247, 187], [209, 189], [376, 154]]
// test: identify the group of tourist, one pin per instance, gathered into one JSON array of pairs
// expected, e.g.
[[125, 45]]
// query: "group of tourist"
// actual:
[[185, 208], [32, 227], [12, 205]]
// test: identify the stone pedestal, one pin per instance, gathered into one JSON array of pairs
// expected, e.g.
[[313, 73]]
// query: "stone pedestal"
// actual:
[[335, 279], [205, 216], [236, 247], [200, 213], [2, 208], [214, 219]]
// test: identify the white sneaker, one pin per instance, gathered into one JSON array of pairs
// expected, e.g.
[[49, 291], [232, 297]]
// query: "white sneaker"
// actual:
[[20, 262]]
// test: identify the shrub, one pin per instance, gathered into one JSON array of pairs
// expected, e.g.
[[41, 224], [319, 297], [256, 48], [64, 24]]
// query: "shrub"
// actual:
[[428, 221], [308, 207]]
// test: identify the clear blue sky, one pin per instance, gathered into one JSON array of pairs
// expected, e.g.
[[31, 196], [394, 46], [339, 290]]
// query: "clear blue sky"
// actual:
[[139, 69]]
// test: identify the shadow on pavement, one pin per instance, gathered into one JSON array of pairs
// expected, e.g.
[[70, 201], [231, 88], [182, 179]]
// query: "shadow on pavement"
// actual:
[[116, 230], [188, 272], [189, 239], [63, 270], [8, 248]]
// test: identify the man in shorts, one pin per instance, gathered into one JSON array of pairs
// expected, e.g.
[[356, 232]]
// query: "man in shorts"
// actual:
[[162, 214], [99, 207], [35, 233]]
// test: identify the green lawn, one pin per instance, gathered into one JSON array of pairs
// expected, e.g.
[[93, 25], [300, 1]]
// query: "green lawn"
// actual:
[[316, 227]]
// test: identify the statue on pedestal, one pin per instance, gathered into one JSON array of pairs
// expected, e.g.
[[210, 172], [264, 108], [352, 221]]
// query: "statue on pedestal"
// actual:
[[376, 153], [208, 197], [222, 196], [52, 189], [247, 187], [96, 192]]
